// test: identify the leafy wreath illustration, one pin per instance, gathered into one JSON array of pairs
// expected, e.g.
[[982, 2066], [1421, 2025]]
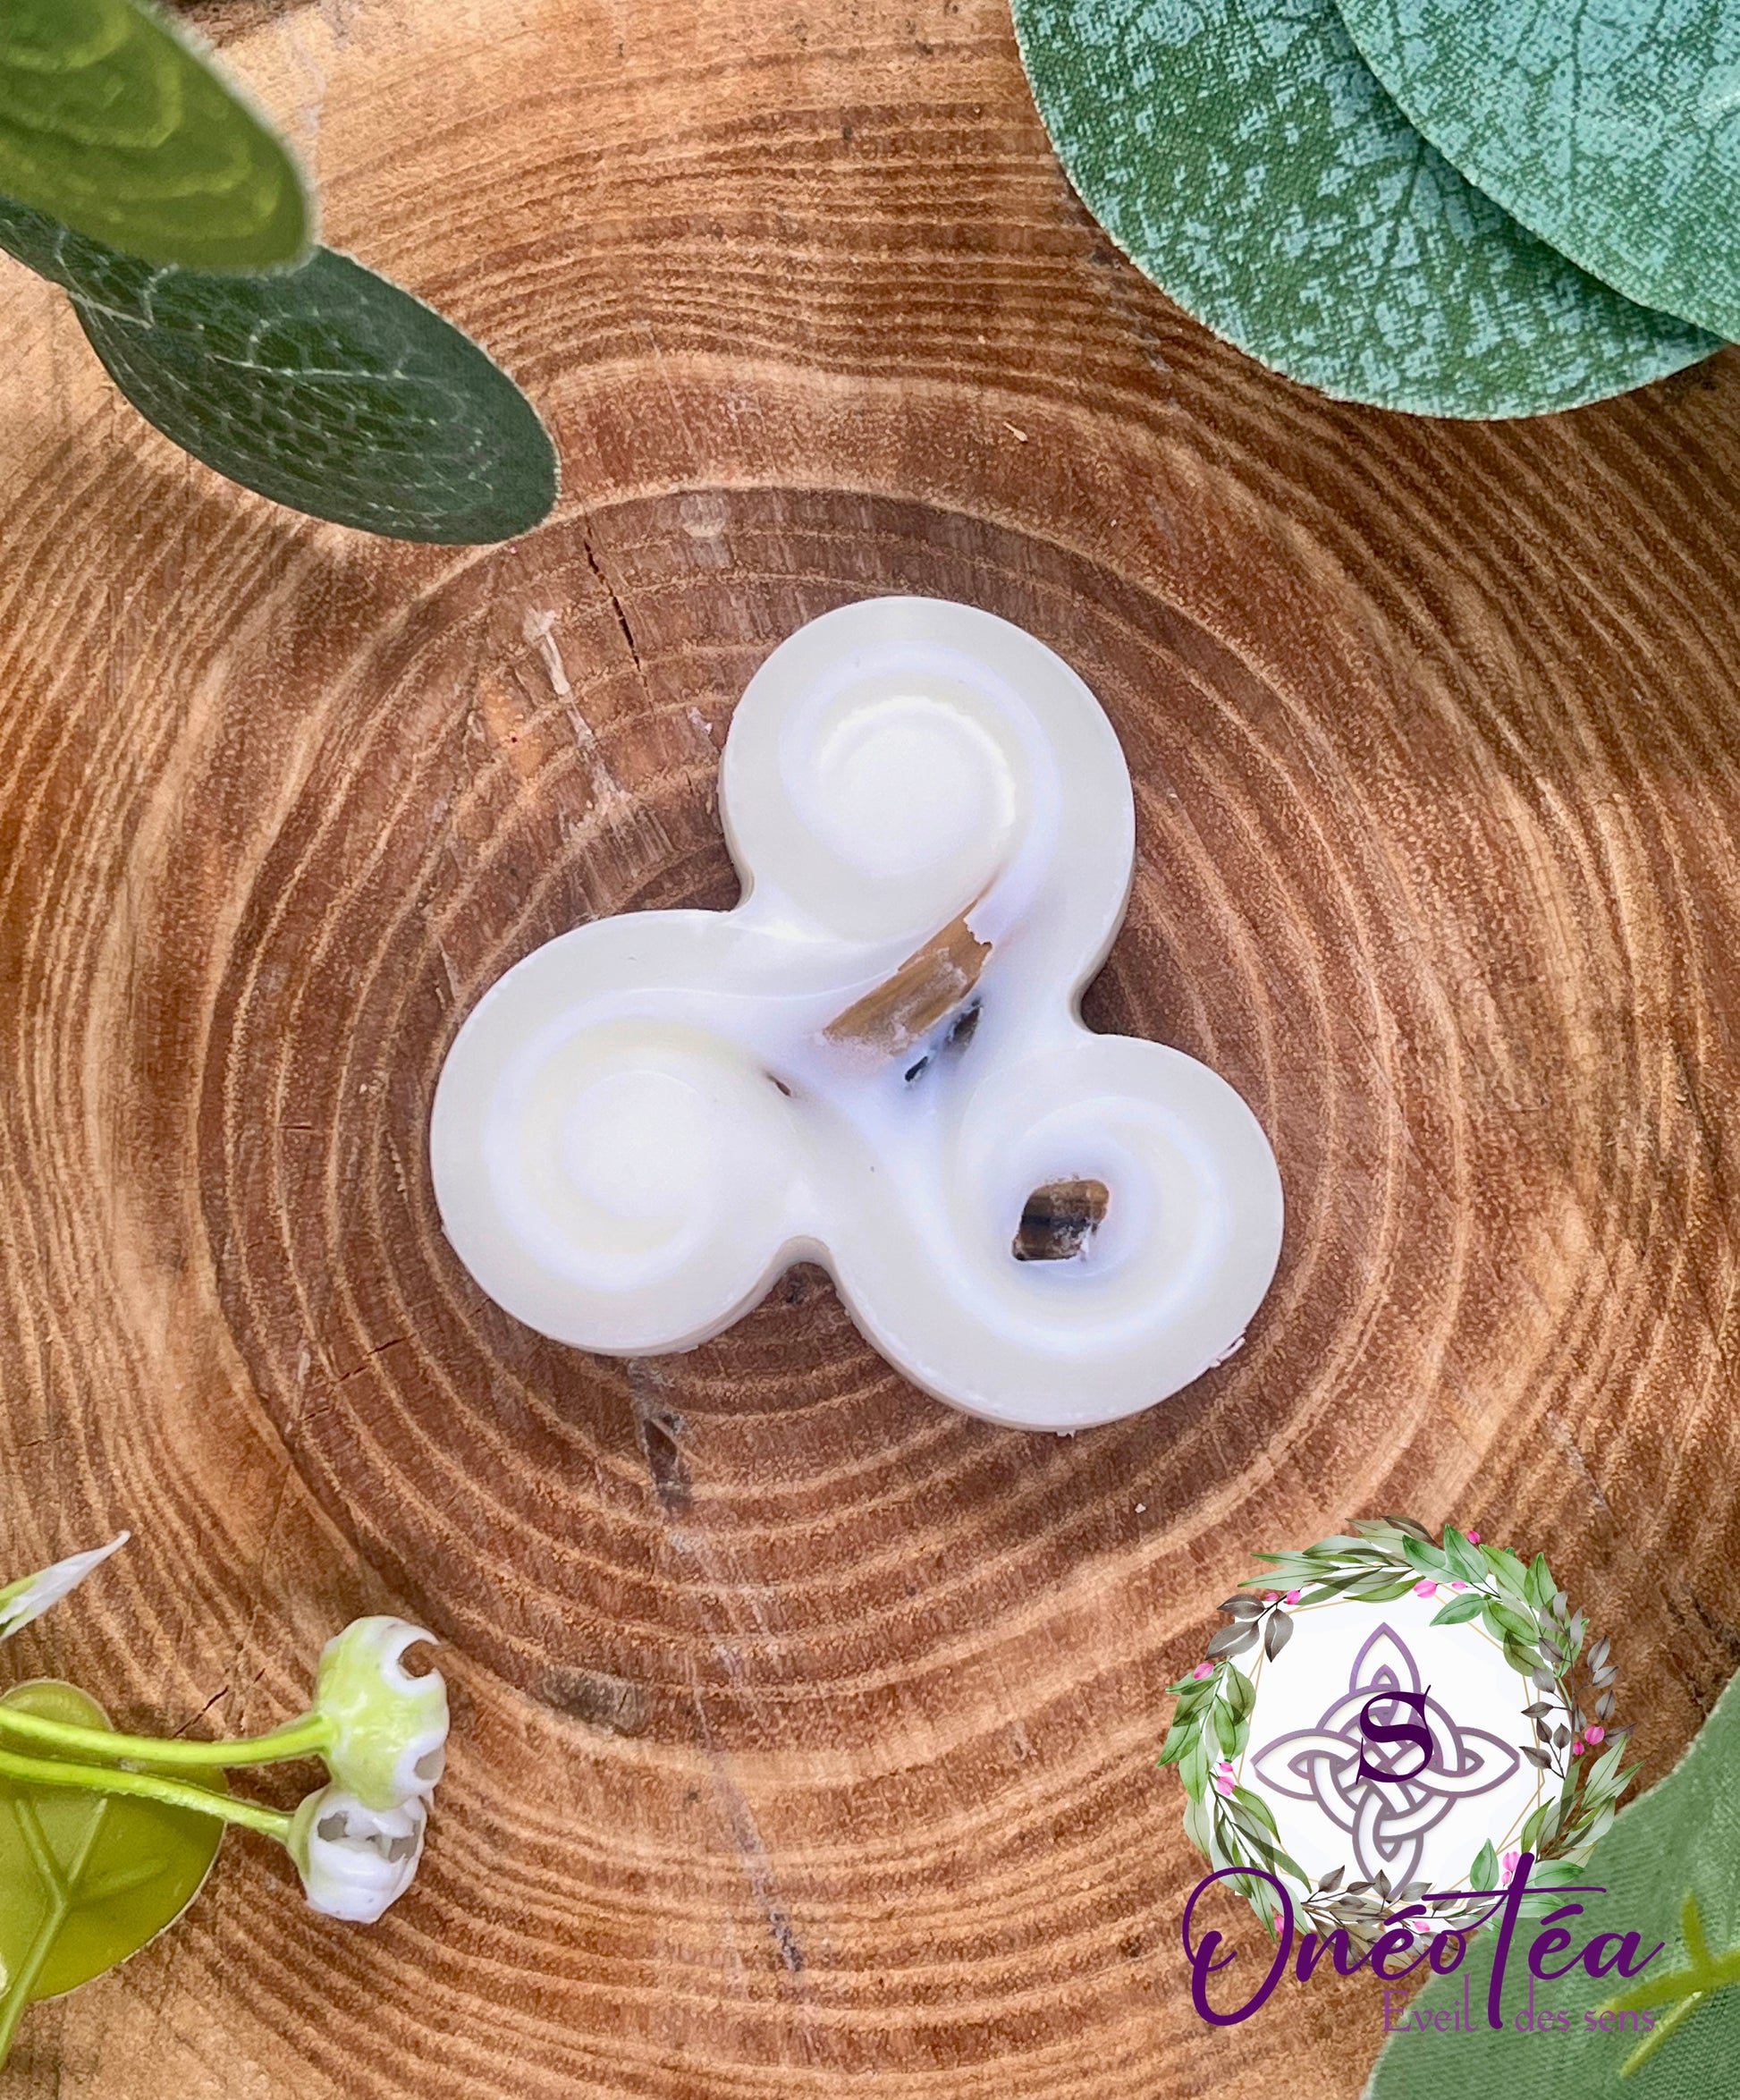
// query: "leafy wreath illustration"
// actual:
[[1546, 1641]]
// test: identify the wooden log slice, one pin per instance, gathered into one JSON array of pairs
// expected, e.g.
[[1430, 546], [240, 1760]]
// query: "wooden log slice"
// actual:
[[805, 1729]]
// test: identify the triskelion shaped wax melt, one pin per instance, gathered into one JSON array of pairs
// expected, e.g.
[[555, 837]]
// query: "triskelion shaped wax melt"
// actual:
[[875, 1060]]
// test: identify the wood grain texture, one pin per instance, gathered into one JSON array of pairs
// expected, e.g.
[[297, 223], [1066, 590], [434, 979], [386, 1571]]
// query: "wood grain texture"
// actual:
[[805, 1729]]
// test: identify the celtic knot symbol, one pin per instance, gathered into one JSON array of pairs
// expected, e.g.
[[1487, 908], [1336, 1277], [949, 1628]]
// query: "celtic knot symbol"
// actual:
[[875, 1059], [1387, 1817]]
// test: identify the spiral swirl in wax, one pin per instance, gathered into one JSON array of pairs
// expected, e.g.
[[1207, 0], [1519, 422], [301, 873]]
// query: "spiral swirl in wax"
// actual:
[[876, 1060]]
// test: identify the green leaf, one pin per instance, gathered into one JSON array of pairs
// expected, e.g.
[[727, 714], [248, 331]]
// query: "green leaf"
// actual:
[[87, 1879], [1254, 1807], [1464, 1558], [1521, 1658], [1608, 129], [325, 388], [1538, 1584], [1484, 1872], [1459, 1610], [1243, 155], [1530, 1830], [1429, 1559], [1519, 1625], [1507, 1571], [112, 124]]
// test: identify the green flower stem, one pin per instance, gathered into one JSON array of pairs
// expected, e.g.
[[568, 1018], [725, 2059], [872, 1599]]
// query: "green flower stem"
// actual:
[[172, 1792], [306, 1738], [60, 1903]]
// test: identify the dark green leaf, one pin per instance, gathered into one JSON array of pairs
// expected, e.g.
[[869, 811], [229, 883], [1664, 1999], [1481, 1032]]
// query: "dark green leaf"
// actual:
[[86, 1879], [1423, 1554], [1242, 153], [325, 388], [111, 124]]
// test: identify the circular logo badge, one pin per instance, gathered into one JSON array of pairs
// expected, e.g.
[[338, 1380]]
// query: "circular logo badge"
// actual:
[[1388, 1722]]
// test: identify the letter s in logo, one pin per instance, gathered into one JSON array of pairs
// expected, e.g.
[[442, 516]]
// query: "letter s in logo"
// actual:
[[1396, 1731]]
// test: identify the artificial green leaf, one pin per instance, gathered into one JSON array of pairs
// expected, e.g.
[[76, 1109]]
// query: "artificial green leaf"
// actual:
[[86, 1879], [1684, 1836], [111, 123], [1243, 155], [1611, 131], [325, 388]]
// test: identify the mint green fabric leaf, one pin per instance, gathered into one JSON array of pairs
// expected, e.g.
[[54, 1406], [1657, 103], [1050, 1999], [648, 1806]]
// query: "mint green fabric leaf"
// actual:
[[1612, 130], [325, 388], [1683, 1836], [1243, 155], [111, 123]]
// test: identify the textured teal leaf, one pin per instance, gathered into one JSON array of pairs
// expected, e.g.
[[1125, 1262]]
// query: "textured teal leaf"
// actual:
[[1684, 1835], [325, 388], [1611, 129], [112, 124], [1243, 155]]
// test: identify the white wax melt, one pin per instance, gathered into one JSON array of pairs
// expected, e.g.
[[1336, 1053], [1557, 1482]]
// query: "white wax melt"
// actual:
[[875, 1060]]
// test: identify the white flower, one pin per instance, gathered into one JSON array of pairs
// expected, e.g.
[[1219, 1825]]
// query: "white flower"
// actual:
[[355, 1860], [388, 1740], [29, 1597]]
